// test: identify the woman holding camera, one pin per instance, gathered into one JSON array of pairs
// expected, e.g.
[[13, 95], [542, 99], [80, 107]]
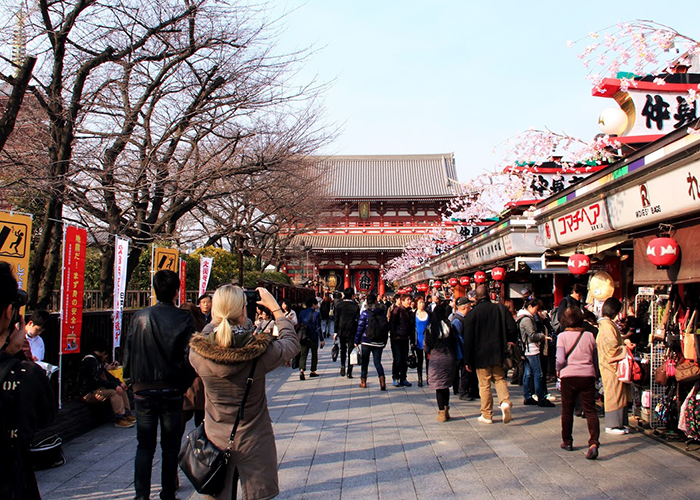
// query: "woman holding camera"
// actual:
[[222, 356]]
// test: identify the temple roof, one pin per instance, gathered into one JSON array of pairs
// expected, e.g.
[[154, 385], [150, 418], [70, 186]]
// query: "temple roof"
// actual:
[[355, 242], [389, 176]]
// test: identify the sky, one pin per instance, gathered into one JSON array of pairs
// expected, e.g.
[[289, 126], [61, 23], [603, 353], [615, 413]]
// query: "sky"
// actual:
[[457, 76]]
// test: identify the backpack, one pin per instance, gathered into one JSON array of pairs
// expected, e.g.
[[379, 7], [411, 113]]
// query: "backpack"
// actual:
[[377, 326], [304, 331], [556, 325]]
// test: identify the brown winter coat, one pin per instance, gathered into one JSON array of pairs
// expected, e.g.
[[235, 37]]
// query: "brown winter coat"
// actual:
[[224, 372], [611, 349]]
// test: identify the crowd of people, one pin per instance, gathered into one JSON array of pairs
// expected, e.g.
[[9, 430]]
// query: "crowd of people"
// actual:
[[199, 361]]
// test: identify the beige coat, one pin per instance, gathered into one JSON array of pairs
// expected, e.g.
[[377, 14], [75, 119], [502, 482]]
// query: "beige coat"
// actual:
[[610, 351], [224, 372]]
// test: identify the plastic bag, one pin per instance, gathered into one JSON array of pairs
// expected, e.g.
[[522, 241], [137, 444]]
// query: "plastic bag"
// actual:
[[356, 356]]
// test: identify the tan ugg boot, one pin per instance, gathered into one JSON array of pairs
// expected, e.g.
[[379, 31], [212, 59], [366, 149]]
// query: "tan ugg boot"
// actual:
[[447, 412], [442, 416]]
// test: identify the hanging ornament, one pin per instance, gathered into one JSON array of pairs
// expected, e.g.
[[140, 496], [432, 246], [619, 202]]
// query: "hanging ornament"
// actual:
[[422, 287], [465, 281], [480, 277], [453, 282], [579, 263], [437, 283], [663, 252], [498, 273]]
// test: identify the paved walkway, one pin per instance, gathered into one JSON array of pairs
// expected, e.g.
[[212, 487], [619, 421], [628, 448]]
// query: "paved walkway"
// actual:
[[335, 440]]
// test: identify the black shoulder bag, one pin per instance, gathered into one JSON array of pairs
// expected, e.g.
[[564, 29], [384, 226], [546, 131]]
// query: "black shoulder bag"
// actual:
[[203, 463]]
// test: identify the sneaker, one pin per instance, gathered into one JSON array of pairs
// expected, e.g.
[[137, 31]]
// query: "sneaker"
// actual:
[[313, 374], [505, 409], [567, 447], [466, 397], [592, 452], [396, 383], [123, 423], [545, 403], [301, 376], [615, 431], [484, 420], [130, 418], [406, 383], [529, 402], [550, 397]]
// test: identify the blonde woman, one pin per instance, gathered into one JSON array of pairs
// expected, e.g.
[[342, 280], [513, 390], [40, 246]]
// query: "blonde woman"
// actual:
[[222, 355]]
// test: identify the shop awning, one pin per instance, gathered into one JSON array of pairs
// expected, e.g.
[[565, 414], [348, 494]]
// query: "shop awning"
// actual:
[[539, 266]]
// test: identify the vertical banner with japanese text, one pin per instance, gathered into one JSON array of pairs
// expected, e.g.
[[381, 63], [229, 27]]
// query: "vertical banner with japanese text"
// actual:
[[204, 272], [72, 289], [15, 238], [183, 273], [121, 254], [163, 258]]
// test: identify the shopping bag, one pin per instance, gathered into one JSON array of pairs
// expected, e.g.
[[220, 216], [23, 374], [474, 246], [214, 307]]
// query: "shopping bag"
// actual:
[[356, 356]]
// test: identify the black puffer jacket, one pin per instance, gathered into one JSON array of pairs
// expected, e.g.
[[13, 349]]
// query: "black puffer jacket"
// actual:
[[157, 349]]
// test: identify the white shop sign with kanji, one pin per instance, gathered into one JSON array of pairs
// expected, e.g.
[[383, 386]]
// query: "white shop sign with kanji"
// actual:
[[658, 199], [584, 223], [658, 112]]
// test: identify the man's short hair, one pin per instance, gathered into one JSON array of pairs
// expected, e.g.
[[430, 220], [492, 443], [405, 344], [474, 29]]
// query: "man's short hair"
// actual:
[[482, 292], [534, 303], [348, 293], [40, 318], [371, 299], [166, 283], [205, 296], [8, 286], [580, 288], [311, 301]]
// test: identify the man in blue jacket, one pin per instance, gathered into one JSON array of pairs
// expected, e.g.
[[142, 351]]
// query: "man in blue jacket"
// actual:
[[310, 336]]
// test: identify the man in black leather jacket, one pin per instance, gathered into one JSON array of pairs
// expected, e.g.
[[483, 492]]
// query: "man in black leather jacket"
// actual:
[[157, 366]]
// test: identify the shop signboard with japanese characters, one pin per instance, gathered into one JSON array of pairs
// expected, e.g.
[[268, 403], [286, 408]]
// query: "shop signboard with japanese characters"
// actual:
[[660, 112], [72, 289], [522, 243], [121, 255], [15, 237], [546, 230], [657, 199], [487, 252], [451, 265], [587, 222]]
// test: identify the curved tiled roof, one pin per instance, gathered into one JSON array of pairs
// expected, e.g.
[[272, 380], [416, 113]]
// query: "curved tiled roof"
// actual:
[[336, 242], [389, 176]]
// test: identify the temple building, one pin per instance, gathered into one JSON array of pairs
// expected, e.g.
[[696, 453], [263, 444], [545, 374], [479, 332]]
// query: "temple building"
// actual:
[[377, 205]]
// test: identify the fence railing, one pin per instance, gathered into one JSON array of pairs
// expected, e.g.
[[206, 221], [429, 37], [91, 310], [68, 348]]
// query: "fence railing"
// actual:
[[134, 299]]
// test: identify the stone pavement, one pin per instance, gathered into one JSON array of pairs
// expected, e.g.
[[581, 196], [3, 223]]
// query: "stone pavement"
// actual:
[[335, 440]]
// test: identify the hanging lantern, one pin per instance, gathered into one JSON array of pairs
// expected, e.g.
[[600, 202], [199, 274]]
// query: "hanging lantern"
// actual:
[[422, 287], [663, 252], [480, 277], [579, 263], [453, 282], [437, 283], [498, 273], [465, 281]]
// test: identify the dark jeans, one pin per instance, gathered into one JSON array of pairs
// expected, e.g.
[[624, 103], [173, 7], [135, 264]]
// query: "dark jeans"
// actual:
[[152, 408], [399, 350], [376, 357], [533, 373], [346, 346], [466, 384], [419, 362], [305, 354], [584, 388]]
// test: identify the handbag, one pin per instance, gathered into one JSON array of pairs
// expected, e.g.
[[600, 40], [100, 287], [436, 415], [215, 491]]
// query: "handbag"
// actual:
[[412, 360], [47, 453], [335, 350], [687, 372], [356, 356], [624, 367], [203, 463]]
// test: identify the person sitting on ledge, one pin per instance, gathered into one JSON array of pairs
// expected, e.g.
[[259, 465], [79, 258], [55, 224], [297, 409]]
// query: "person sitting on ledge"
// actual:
[[97, 385]]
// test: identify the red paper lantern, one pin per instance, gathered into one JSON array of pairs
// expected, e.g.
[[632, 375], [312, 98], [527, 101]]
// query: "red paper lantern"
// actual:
[[465, 281], [437, 283], [453, 281], [422, 287], [480, 277], [579, 263], [663, 252], [498, 273]]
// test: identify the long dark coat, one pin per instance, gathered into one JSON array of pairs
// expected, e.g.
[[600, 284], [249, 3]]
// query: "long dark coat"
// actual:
[[224, 372]]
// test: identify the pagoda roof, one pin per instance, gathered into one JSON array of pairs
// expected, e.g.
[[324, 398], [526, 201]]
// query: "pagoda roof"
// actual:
[[389, 176], [355, 241]]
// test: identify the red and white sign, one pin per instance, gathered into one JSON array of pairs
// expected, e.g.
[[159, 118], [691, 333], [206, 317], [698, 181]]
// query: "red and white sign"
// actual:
[[183, 273], [657, 199], [205, 265], [121, 254], [72, 289], [584, 223]]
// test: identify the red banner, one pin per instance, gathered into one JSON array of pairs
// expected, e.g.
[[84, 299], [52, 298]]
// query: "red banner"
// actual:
[[183, 292], [72, 289]]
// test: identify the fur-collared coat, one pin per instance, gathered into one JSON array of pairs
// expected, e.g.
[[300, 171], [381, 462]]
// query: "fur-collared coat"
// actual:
[[224, 372]]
